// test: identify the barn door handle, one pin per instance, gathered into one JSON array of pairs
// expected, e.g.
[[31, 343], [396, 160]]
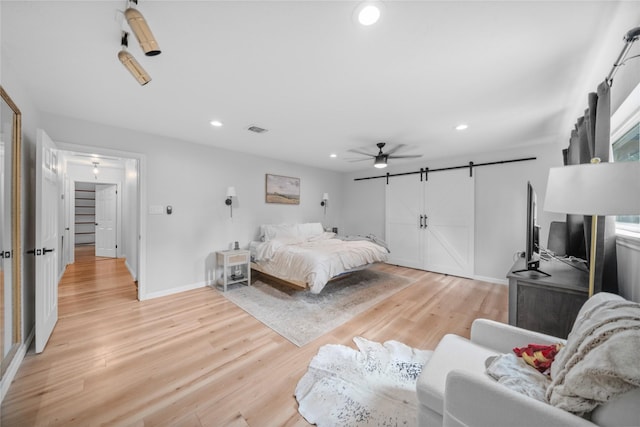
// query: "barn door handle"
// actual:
[[45, 250], [421, 223], [426, 224]]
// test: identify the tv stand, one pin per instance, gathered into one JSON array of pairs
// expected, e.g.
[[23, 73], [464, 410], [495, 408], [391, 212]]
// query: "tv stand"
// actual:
[[547, 303], [532, 266]]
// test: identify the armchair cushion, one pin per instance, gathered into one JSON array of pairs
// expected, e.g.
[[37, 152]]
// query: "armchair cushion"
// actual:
[[452, 352]]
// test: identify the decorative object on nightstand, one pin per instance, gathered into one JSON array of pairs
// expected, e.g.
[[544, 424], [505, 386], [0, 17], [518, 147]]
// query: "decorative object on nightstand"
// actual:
[[233, 267]]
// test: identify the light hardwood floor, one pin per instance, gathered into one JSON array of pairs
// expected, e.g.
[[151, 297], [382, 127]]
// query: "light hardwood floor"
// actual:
[[196, 359]]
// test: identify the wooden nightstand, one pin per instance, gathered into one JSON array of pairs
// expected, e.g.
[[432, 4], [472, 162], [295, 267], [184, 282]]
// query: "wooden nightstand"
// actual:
[[233, 267]]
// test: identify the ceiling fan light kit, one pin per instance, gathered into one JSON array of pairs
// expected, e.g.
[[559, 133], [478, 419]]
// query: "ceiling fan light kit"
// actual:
[[380, 162], [381, 159]]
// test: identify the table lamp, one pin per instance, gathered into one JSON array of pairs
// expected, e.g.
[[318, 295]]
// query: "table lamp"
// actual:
[[595, 189]]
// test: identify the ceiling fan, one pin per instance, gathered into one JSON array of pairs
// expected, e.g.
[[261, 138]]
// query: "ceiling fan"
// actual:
[[382, 158]]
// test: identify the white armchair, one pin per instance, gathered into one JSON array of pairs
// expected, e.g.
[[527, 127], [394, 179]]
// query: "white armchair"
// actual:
[[454, 390]]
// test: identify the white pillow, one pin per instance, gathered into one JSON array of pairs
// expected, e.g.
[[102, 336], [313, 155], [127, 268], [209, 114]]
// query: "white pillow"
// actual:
[[276, 231], [310, 229]]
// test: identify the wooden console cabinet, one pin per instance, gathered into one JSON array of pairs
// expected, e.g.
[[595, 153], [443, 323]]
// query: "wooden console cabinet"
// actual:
[[547, 304]]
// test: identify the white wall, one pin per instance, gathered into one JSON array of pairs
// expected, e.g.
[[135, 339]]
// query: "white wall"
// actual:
[[193, 179], [130, 226], [500, 202]]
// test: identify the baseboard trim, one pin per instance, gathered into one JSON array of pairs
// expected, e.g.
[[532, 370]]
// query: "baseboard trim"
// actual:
[[172, 291], [131, 271], [492, 280], [12, 370]]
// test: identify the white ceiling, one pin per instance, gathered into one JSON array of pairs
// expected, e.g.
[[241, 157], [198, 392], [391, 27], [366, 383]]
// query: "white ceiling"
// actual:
[[517, 72]]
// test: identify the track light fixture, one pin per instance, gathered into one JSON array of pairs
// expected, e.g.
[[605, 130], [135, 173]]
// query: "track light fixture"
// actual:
[[141, 29], [130, 62]]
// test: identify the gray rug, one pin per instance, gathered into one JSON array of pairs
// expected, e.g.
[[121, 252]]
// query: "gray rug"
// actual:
[[301, 317]]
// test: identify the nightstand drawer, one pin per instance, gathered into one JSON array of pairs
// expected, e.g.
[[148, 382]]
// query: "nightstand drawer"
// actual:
[[238, 259]]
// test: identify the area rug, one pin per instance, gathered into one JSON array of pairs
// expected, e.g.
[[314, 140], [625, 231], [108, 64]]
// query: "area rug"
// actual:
[[372, 386], [301, 317]]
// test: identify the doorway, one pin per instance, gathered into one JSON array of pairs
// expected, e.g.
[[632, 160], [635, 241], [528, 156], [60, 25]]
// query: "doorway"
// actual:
[[118, 176], [96, 219]]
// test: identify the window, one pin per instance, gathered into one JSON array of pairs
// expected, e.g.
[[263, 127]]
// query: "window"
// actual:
[[625, 147]]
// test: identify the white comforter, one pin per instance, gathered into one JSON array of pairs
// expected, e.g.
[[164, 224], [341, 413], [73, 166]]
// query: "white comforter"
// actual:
[[315, 260]]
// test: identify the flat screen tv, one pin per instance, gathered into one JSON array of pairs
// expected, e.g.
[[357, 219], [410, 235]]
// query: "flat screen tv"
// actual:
[[532, 237]]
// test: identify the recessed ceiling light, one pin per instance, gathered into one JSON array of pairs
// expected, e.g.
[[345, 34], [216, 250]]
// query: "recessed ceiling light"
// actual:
[[333, 155], [216, 123], [369, 15], [462, 126], [368, 12]]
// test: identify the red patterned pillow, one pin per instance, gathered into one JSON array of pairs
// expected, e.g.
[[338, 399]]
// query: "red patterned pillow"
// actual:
[[537, 355]]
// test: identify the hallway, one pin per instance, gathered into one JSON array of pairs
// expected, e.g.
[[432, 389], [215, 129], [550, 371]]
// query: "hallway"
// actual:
[[93, 283]]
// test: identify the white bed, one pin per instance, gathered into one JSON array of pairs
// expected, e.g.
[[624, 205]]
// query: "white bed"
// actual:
[[306, 256]]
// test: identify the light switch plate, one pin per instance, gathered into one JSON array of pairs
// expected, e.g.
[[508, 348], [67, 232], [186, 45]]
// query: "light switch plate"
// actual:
[[156, 210]]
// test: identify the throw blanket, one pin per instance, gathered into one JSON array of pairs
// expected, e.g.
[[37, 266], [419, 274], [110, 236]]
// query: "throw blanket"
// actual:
[[600, 359]]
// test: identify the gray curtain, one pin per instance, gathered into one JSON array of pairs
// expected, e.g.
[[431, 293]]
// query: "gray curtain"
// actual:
[[589, 139]]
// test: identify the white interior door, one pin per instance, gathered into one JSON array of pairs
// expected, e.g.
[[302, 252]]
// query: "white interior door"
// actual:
[[450, 210], [106, 204], [46, 239], [403, 210]]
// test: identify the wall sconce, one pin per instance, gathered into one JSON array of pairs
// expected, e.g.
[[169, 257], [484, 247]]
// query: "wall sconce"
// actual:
[[141, 29], [231, 193], [325, 201], [95, 169]]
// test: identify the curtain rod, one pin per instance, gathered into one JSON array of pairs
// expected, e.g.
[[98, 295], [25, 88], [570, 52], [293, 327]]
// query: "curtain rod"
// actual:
[[426, 171], [631, 36]]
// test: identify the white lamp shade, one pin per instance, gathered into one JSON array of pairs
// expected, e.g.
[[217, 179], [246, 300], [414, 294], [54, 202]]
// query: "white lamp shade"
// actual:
[[594, 189], [231, 191], [325, 196]]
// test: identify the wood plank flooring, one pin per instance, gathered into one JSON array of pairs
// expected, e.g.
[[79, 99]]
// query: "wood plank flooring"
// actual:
[[196, 359]]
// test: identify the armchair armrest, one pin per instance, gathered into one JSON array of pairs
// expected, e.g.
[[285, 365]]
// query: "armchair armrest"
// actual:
[[471, 400], [503, 338]]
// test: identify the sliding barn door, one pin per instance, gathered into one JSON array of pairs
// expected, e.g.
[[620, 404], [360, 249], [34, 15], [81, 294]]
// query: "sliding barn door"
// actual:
[[402, 232], [449, 207]]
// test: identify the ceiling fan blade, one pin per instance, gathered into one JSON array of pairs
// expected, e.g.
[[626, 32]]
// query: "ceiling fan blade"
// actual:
[[357, 160], [407, 156], [361, 152], [396, 148]]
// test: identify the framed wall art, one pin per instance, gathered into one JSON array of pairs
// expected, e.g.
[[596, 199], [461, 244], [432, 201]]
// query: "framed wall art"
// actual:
[[282, 189]]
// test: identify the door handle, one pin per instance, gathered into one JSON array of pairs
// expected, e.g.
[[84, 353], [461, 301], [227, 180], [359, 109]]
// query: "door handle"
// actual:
[[31, 252], [45, 250], [426, 224], [421, 221]]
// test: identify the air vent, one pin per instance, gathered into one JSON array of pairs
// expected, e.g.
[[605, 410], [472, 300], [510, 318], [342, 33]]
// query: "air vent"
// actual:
[[256, 129]]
